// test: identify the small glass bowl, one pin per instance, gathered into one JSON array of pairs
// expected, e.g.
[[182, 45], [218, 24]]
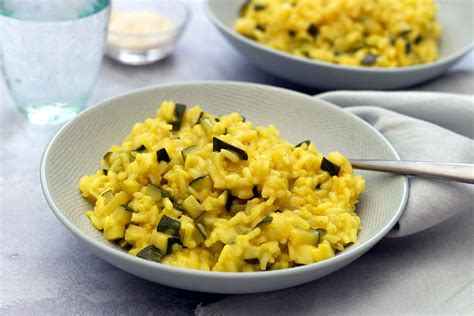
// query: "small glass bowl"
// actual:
[[133, 48]]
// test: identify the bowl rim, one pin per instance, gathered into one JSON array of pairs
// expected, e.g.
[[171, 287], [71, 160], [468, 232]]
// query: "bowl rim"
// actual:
[[313, 62], [177, 28], [347, 255]]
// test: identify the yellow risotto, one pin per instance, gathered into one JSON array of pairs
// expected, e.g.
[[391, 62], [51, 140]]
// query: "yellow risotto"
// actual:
[[382, 33], [194, 190]]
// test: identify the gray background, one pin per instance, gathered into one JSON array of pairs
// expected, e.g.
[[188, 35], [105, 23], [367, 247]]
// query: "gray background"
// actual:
[[45, 270]]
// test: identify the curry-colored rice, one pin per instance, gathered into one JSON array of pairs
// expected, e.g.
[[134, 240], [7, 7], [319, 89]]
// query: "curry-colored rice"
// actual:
[[382, 33], [313, 213]]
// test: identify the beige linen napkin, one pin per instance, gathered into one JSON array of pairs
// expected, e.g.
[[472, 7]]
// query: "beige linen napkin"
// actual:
[[430, 271]]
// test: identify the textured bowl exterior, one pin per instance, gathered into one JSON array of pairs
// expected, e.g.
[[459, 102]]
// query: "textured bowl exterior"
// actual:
[[77, 148], [457, 39]]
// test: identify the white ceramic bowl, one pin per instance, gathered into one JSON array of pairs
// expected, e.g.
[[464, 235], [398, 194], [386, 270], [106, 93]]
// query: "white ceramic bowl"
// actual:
[[457, 39], [77, 148]]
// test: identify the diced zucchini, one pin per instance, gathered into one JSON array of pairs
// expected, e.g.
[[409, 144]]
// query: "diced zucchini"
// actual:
[[115, 232], [124, 244], [199, 118], [201, 183], [206, 124], [140, 149], [165, 242], [244, 7], [307, 142], [236, 208], [154, 192], [331, 168], [165, 194], [121, 216], [179, 110], [267, 220], [169, 225], [202, 230], [162, 155], [192, 206], [228, 202], [252, 261], [218, 145], [128, 208], [151, 253], [321, 233], [185, 152], [255, 192], [106, 160], [105, 172], [107, 195]]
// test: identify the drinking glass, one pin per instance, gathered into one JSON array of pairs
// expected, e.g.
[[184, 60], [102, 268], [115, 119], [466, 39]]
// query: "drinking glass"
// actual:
[[51, 51]]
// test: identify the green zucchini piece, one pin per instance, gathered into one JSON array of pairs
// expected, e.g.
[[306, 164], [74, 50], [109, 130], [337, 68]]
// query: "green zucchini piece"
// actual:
[[307, 142], [206, 124], [202, 230], [244, 7], [408, 47], [186, 151], [107, 195], [228, 202], [218, 145], [255, 192], [252, 261], [179, 110], [163, 193], [128, 208], [162, 155], [105, 172], [151, 253], [200, 117], [312, 30], [331, 168], [235, 208], [166, 243], [106, 159], [192, 206], [321, 233], [169, 225], [201, 183], [140, 149], [124, 244], [154, 192], [267, 220], [166, 194]]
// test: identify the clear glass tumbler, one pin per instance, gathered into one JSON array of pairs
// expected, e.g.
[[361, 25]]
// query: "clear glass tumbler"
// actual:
[[51, 53]]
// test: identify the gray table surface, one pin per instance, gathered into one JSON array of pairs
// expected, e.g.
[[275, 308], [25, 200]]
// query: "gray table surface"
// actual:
[[45, 270]]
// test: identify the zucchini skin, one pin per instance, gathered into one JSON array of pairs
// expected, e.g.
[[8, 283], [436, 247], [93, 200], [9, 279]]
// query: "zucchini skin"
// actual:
[[218, 145], [179, 110], [307, 142], [331, 168], [151, 253], [169, 225], [162, 155]]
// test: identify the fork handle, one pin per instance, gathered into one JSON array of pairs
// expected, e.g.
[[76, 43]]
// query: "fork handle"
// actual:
[[445, 171]]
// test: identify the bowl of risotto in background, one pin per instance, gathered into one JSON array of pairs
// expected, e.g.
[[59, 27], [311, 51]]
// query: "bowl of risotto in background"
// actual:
[[118, 204], [348, 44]]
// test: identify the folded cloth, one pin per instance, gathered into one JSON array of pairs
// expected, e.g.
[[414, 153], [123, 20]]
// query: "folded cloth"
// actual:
[[421, 126], [426, 127]]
